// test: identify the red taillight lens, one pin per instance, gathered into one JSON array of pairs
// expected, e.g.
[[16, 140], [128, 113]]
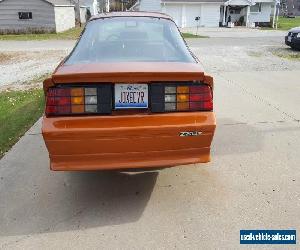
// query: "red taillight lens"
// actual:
[[50, 110], [64, 109], [201, 105], [59, 92], [58, 101], [199, 89], [67, 100], [195, 98], [56, 110]]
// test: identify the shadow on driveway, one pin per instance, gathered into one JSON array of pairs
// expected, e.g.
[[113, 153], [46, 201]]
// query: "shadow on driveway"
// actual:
[[67, 201]]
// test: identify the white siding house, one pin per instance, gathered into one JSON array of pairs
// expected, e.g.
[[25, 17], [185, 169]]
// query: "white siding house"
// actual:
[[185, 13], [262, 14], [84, 9], [92, 5], [150, 5], [31, 16], [64, 18], [247, 12], [210, 13]]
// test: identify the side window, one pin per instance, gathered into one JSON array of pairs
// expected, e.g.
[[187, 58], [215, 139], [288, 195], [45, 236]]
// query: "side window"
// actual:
[[25, 15], [255, 8]]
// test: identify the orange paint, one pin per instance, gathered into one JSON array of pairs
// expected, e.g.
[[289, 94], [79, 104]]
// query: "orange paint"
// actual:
[[127, 139]]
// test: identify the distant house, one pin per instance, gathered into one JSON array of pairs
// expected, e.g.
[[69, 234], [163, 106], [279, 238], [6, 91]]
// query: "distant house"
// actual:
[[290, 7], [84, 9], [247, 12], [30, 16], [210, 13], [92, 6]]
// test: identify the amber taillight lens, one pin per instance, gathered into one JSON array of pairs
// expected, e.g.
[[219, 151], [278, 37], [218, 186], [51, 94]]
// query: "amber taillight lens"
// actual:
[[181, 97], [78, 100]]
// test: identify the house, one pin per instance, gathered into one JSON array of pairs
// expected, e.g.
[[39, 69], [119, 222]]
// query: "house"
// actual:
[[211, 13], [290, 7], [193, 13], [36, 16], [247, 12], [91, 5], [84, 9]]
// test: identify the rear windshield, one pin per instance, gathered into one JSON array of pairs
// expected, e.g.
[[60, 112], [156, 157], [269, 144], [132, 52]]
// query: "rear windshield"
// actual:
[[130, 39]]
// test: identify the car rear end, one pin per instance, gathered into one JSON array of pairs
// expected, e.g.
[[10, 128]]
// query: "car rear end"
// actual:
[[86, 127], [130, 95]]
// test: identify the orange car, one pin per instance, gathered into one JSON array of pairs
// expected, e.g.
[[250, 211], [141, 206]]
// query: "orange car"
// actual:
[[130, 95]]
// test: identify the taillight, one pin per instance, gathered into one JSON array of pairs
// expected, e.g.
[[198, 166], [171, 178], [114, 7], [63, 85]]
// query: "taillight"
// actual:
[[78, 100], [187, 97]]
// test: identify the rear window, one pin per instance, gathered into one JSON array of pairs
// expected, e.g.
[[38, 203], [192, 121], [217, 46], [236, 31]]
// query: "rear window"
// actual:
[[130, 39]]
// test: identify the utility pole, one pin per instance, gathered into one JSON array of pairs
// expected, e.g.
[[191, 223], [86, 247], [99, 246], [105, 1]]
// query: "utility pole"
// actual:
[[277, 18], [276, 14], [107, 5], [77, 12]]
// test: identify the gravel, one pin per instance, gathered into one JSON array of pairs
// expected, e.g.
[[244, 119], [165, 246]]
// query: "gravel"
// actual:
[[21, 62], [18, 69], [234, 57]]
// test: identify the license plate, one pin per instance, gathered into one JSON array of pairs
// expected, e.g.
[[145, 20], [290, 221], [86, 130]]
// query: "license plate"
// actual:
[[131, 96], [289, 38]]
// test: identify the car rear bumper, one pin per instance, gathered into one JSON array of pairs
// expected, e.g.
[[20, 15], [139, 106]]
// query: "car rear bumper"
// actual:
[[295, 43], [128, 141]]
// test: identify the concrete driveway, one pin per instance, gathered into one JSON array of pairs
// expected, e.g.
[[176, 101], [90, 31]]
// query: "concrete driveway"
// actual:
[[253, 181]]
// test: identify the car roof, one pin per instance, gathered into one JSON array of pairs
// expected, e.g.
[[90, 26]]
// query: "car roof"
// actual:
[[296, 29], [131, 14]]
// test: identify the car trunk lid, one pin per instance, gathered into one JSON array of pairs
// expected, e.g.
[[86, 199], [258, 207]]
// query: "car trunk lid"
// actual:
[[129, 72]]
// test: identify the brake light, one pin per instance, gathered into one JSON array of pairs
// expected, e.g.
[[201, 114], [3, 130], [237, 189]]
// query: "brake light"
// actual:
[[189, 97], [78, 100]]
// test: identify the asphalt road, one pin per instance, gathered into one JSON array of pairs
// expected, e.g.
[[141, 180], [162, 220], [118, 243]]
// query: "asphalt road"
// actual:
[[253, 181]]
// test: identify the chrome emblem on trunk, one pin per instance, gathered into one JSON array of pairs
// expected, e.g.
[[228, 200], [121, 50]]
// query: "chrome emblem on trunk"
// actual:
[[190, 133]]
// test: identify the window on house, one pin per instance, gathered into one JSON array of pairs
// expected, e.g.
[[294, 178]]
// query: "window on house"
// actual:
[[25, 15], [235, 11], [255, 8]]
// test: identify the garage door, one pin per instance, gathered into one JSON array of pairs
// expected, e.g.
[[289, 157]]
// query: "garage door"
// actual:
[[211, 15], [175, 11], [192, 11]]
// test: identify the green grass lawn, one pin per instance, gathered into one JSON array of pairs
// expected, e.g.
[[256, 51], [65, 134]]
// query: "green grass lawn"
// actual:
[[189, 35], [71, 34], [288, 23], [287, 53], [19, 110]]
